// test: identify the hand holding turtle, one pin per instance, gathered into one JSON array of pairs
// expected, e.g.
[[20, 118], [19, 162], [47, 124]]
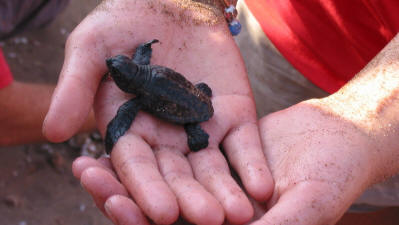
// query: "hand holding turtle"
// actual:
[[152, 159]]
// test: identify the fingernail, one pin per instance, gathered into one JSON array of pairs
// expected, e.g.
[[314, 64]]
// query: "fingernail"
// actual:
[[109, 213]]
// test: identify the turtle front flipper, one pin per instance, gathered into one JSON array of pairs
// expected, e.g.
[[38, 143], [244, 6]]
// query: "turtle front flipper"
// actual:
[[204, 88], [142, 55], [121, 122], [196, 137]]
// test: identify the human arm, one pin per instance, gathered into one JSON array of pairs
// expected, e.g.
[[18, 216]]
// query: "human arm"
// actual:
[[23, 107], [323, 153], [195, 42]]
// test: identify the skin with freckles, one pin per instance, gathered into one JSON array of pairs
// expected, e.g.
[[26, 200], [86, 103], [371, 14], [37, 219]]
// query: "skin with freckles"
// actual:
[[152, 161]]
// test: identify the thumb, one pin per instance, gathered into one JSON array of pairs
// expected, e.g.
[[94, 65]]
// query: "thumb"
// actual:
[[307, 203], [83, 68]]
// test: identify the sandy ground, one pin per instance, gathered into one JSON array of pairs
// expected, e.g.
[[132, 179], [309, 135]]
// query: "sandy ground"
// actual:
[[36, 184]]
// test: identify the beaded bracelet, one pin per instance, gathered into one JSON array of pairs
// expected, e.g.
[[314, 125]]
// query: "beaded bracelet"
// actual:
[[230, 13]]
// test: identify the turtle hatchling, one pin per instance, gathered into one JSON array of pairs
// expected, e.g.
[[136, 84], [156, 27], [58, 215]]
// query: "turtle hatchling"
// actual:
[[161, 92]]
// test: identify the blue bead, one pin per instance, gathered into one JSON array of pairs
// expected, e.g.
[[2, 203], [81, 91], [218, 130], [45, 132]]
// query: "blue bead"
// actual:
[[235, 27]]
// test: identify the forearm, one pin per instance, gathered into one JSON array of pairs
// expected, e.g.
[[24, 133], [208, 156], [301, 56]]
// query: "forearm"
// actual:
[[23, 107], [371, 101]]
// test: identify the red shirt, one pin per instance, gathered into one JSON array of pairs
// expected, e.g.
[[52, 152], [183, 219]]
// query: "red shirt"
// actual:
[[328, 41], [5, 73]]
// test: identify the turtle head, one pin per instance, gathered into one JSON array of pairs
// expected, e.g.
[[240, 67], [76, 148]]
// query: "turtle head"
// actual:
[[123, 71]]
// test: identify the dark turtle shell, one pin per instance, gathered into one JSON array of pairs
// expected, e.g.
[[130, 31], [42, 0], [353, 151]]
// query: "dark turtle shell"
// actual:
[[160, 91], [170, 96]]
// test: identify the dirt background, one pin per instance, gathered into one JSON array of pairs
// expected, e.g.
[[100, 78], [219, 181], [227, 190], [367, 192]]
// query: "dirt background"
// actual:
[[36, 183]]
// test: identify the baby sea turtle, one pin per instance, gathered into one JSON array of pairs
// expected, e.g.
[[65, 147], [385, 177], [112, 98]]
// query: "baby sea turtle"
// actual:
[[160, 91]]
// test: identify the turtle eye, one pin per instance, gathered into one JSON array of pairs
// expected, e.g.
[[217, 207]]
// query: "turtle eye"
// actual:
[[122, 70], [113, 71], [112, 65], [116, 64], [109, 63]]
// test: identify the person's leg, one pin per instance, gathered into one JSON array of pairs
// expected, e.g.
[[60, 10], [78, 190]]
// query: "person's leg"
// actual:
[[275, 83]]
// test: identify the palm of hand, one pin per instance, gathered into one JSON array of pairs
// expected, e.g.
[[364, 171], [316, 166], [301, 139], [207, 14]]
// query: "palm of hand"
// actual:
[[233, 103], [152, 159], [151, 142], [317, 160], [230, 111]]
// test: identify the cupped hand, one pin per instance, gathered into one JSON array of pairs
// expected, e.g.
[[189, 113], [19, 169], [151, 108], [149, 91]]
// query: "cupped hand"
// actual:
[[320, 162], [152, 161]]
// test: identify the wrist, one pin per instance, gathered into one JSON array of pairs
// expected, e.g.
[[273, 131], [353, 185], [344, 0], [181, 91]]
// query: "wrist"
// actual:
[[161, 19], [345, 140], [196, 12], [370, 101], [373, 115], [181, 12]]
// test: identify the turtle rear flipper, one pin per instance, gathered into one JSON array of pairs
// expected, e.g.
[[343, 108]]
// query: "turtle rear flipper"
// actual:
[[121, 123], [142, 55], [196, 137], [204, 88]]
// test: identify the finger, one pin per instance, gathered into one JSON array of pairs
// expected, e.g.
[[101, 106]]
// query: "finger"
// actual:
[[137, 168], [106, 162], [81, 74], [122, 210], [244, 151], [211, 170], [101, 185], [307, 204], [82, 163], [197, 205]]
